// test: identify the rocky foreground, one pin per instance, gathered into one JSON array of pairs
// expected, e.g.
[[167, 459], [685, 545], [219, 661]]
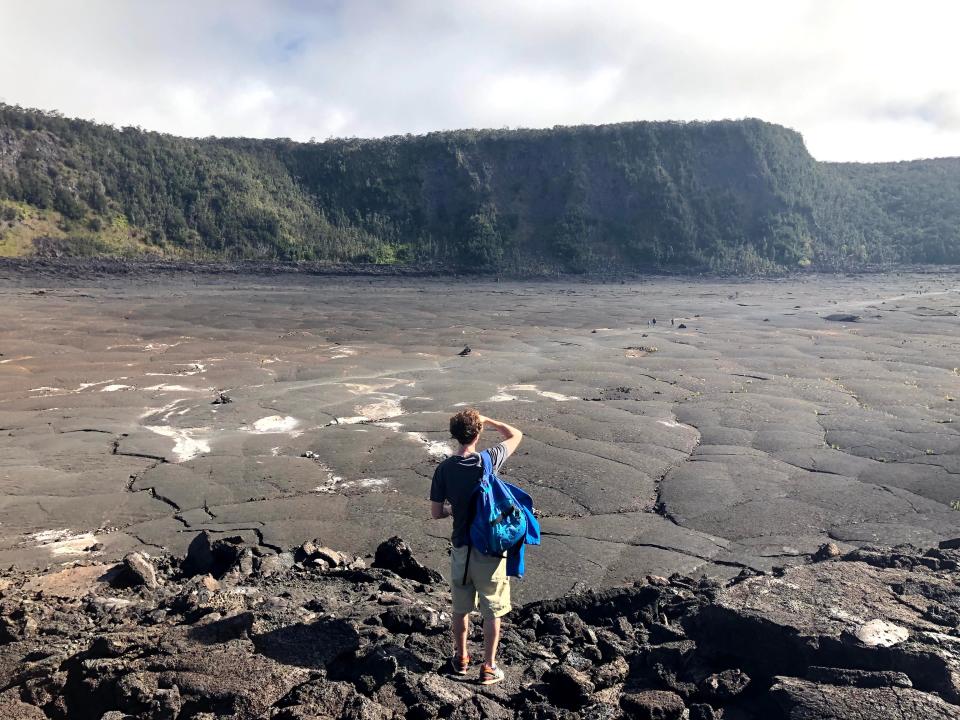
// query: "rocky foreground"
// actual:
[[242, 632]]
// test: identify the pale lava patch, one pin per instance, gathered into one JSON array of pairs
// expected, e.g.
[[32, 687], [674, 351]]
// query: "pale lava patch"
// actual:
[[276, 424], [372, 482], [332, 479], [195, 369], [335, 483], [354, 420], [111, 386], [499, 397], [64, 541], [165, 412], [880, 633], [185, 446], [674, 424], [46, 389], [164, 387], [504, 396], [435, 448], [383, 405], [377, 385], [368, 484]]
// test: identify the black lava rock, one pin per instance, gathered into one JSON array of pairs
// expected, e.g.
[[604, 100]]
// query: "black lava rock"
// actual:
[[395, 555], [653, 705], [569, 687], [724, 686]]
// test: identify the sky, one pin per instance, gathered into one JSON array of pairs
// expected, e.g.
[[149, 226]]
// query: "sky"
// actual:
[[863, 80]]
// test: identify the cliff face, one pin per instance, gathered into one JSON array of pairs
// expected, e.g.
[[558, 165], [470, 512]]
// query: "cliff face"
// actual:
[[635, 194], [918, 201], [731, 196]]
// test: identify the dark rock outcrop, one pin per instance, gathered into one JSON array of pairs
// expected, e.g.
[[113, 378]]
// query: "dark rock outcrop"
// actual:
[[803, 699], [139, 570], [312, 634], [395, 555]]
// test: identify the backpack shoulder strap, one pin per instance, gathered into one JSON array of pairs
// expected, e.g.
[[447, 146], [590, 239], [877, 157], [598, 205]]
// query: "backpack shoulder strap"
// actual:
[[478, 488], [487, 463], [472, 507]]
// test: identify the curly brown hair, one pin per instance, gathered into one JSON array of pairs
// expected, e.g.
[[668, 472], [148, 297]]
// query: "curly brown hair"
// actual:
[[465, 426]]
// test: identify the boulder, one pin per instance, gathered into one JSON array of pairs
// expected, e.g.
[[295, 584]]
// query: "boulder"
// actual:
[[724, 686], [138, 570], [227, 553], [11, 708], [274, 564], [802, 699], [306, 551], [395, 555], [209, 583], [410, 619], [199, 557], [568, 687], [702, 711], [216, 555], [322, 698], [314, 552], [858, 678], [826, 552], [653, 705], [223, 629], [611, 673], [840, 614], [166, 703]]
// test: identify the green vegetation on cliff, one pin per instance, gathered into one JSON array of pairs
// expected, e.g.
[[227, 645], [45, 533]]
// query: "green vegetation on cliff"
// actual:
[[728, 196], [919, 204]]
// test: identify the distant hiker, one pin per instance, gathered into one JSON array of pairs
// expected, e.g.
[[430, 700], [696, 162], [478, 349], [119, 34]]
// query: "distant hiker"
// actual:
[[476, 580], [654, 321]]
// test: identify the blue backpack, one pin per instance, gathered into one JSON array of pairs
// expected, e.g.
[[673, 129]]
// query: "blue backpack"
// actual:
[[498, 522]]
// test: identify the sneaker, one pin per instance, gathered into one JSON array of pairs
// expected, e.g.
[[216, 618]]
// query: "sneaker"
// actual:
[[490, 674], [460, 665]]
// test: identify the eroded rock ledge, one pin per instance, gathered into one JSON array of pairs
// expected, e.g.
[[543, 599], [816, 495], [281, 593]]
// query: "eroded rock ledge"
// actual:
[[244, 631]]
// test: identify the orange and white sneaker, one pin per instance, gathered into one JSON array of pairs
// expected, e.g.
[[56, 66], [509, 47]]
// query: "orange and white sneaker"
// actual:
[[460, 665], [490, 674]]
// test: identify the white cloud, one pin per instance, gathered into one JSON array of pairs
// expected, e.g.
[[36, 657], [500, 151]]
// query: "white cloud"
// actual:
[[861, 80]]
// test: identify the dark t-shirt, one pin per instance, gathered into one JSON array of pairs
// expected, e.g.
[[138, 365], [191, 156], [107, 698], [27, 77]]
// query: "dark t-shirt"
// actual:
[[455, 479]]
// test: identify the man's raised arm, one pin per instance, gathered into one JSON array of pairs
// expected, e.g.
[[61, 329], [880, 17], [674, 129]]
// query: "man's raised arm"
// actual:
[[511, 435]]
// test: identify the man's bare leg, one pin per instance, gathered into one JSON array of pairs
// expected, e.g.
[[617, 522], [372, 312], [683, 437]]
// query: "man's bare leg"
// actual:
[[491, 638], [461, 628]]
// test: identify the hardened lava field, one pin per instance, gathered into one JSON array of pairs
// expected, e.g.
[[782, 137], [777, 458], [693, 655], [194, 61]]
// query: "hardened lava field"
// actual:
[[743, 428]]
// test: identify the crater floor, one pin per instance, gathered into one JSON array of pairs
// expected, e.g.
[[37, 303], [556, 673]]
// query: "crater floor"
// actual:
[[742, 428]]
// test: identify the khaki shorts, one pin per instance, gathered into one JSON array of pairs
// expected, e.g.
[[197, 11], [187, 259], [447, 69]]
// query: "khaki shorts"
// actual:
[[487, 586]]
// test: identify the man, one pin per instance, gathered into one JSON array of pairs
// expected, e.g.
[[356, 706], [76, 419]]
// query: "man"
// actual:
[[487, 585]]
